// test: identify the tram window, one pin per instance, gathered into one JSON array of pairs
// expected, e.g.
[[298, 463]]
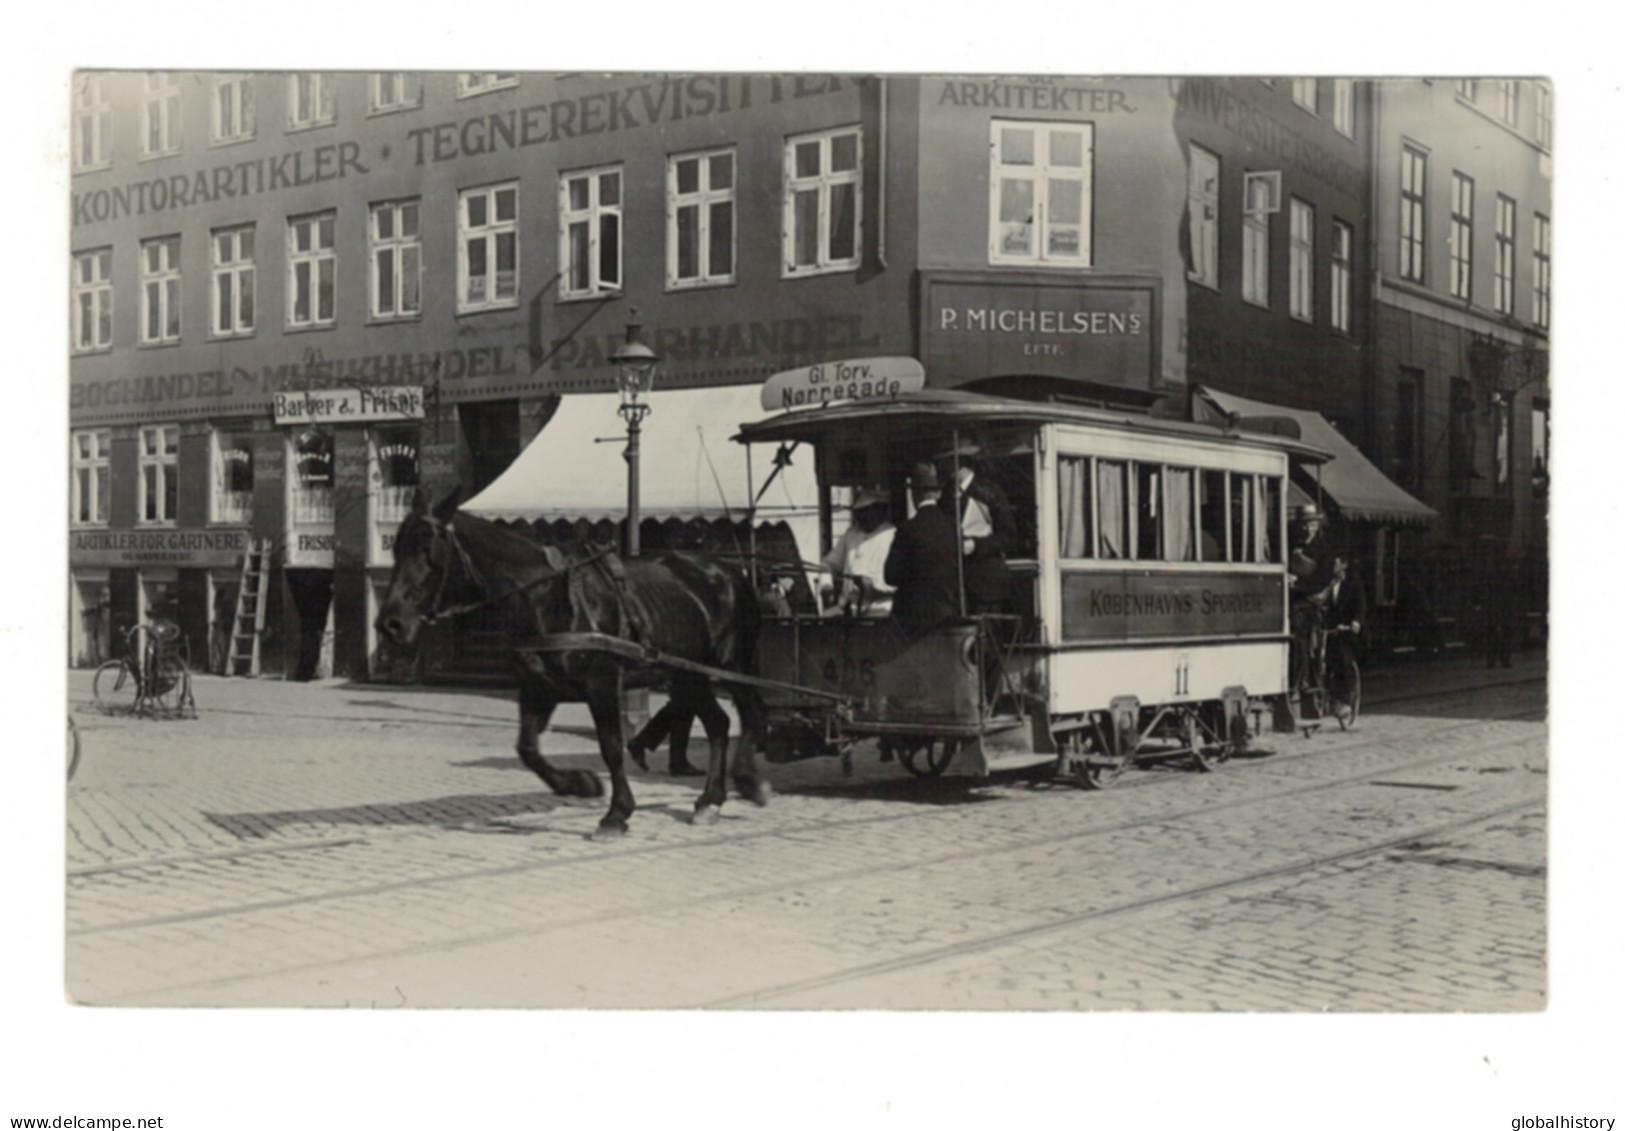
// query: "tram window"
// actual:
[[1242, 547], [1270, 517], [1077, 508], [1112, 493], [1211, 516], [1180, 526], [1148, 512]]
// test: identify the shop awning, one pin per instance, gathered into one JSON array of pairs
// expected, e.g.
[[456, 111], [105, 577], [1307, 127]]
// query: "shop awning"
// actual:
[[1359, 489], [688, 466]]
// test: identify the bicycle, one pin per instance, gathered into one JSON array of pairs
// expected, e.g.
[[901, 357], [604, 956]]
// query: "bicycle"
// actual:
[[1331, 687], [150, 679]]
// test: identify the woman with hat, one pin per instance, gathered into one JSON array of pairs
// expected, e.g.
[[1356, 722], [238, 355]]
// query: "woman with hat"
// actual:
[[855, 569]]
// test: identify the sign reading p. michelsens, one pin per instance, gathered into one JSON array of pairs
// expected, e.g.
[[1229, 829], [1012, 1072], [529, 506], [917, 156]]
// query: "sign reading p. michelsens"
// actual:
[[830, 382], [327, 406]]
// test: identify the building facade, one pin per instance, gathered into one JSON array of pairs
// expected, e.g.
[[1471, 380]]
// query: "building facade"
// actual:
[[300, 298]]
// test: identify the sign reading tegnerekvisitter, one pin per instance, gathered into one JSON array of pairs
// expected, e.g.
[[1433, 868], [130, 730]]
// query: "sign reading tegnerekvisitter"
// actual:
[[328, 406], [1102, 330]]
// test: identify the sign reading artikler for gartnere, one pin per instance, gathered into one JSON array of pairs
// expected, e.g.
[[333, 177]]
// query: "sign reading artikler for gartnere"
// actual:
[[378, 402], [831, 382]]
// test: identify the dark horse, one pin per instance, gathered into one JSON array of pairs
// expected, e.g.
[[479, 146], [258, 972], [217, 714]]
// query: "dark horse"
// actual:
[[682, 605]]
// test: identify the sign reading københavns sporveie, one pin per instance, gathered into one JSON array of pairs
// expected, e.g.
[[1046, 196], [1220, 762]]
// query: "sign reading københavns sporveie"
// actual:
[[831, 382], [328, 406]]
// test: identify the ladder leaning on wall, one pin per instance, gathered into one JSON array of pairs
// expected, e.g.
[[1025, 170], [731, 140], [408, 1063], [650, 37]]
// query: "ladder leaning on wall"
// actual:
[[248, 622]]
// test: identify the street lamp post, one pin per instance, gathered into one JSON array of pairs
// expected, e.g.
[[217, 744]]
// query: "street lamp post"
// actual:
[[634, 376]]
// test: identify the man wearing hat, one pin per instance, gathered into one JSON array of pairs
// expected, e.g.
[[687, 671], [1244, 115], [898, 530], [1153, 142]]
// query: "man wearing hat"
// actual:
[[1311, 561], [855, 569], [923, 564], [987, 526]]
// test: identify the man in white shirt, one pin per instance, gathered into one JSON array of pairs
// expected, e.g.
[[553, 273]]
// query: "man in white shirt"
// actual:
[[855, 569]]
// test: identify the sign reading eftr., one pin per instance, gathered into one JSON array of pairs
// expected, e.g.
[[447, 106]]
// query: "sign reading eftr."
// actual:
[[380, 402], [832, 382]]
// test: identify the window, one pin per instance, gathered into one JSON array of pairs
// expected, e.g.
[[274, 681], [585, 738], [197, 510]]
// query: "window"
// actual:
[[161, 113], [1343, 106], [233, 251], [823, 198], [1203, 206], [396, 283], [1506, 225], [1413, 177], [161, 290], [90, 477], [1342, 276], [1540, 438], [233, 456], [1463, 437], [1147, 512], [1301, 262], [93, 300], [1179, 529], [1543, 272], [1468, 89], [1112, 496], [233, 108], [1501, 410], [488, 266], [1077, 499], [92, 123], [1461, 236], [393, 90], [590, 231], [481, 82], [395, 457], [312, 270], [1509, 101], [1408, 428], [700, 219], [1543, 115], [310, 100], [159, 450], [312, 481], [1306, 93], [1042, 183], [1255, 245]]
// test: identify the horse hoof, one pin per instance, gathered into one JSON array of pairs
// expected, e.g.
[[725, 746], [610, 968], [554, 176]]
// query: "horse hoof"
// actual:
[[758, 791], [582, 783], [707, 815], [639, 758], [609, 831]]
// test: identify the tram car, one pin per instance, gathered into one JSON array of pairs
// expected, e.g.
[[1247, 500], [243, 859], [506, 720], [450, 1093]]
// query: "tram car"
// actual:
[[1148, 608]]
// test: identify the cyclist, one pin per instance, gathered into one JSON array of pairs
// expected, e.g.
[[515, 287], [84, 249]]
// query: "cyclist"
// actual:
[[1345, 611], [1310, 562]]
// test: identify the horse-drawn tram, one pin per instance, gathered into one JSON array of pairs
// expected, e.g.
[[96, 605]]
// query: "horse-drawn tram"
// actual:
[[1145, 605]]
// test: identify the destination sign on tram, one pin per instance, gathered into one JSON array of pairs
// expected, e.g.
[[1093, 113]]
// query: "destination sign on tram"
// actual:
[[834, 382]]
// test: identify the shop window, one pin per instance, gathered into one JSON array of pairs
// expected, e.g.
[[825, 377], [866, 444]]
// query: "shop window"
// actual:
[[233, 496], [312, 271], [393, 90], [233, 118], [700, 219], [90, 477], [92, 123], [157, 466], [1041, 181], [161, 114], [823, 200], [1203, 210], [161, 290], [397, 259], [488, 235], [93, 300], [93, 640], [395, 461], [312, 484], [232, 250], [311, 100], [590, 231]]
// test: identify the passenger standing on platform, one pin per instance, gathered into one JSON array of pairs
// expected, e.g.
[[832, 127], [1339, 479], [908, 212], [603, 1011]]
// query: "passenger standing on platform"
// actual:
[[923, 565], [857, 562], [987, 525]]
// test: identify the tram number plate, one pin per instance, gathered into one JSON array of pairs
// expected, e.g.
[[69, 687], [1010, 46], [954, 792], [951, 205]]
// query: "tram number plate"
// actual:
[[1130, 604]]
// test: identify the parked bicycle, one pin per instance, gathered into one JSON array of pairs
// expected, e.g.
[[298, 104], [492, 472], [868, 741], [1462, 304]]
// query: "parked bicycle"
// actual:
[[150, 679]]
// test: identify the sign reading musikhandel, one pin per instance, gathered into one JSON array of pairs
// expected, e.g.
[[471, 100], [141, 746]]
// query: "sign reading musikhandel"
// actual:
[[1103, 330]]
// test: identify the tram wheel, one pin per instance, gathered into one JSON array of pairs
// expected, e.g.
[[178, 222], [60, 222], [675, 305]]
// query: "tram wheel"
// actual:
[[1100, 774], [927, 759], [1207, 754]]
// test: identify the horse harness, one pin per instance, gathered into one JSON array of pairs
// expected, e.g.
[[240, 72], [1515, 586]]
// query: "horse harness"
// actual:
[[440, 612]]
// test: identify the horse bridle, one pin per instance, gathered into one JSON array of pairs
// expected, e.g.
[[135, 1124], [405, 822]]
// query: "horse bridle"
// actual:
[[439, 613]]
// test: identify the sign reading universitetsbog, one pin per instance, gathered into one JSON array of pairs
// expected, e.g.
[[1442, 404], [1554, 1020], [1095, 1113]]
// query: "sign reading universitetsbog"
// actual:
[[833, 382]]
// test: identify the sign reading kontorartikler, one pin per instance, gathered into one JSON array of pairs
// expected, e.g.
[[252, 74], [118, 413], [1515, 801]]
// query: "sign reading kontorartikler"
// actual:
[[352, 406], [833, 382], [186, 546]]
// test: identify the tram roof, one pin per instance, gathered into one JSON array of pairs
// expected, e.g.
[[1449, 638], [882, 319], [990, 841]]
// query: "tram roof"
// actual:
[[932, 410]]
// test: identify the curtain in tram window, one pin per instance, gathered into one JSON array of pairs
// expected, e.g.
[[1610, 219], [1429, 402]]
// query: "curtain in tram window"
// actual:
[[1260, 521], [1075, 508], [1113, 484], [1181, 544]]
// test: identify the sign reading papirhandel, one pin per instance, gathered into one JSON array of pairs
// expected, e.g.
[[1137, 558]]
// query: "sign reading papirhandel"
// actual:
[[327, 406], [832, 382]]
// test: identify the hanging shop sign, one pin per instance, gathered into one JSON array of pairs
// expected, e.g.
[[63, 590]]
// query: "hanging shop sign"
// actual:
[[832, 382], [180, 546], [354, 406]]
